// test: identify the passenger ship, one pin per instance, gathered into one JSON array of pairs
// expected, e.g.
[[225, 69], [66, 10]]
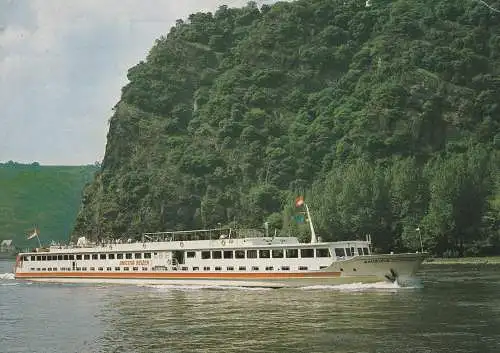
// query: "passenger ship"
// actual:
[[219, 256]]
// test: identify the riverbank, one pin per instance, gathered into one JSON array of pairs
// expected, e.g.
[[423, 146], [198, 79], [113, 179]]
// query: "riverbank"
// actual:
[[463, 260]]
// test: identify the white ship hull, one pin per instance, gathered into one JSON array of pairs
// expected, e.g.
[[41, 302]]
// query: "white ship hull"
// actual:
[[359, 269], [217, 257]]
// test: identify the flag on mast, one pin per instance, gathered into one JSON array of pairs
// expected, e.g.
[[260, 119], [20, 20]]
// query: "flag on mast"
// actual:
[[299, 201]]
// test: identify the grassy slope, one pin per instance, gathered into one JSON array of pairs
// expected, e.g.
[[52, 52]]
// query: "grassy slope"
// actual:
[[48, 196]]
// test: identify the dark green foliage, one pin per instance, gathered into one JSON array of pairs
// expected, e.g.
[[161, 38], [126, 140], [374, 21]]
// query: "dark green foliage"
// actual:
[[386, 116], [47, 196]]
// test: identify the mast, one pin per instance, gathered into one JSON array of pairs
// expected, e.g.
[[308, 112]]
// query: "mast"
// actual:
[[309, 219]]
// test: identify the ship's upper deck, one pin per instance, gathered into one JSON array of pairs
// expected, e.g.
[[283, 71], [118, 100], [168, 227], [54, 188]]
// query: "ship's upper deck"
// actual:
[[219, 238]]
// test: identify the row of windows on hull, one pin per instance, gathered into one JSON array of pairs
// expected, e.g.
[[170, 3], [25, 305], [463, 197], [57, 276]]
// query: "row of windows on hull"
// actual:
[[119, 256], [214, 254], [164, 268]]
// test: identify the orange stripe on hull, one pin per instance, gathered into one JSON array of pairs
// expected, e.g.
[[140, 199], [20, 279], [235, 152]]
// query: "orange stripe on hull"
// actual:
[[177, 275]]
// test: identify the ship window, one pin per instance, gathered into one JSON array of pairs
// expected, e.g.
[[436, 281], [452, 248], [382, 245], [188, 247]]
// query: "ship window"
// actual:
[[144, 268], [138, 255], [135, 268], [32, 269], [228, 254], [196, 268], [111, 256], [242, 268], [92, 269], [25, 258], [128, 255], [339, 252], [239, 254], [230, 268], [125, 269], [218, 268], [306, 252], [292, 253], [189, 254], [94, 256], [86, 257], [147, 255], [348, 251], [206, 268], [251, 254], [59, 257], [360, 251], [108, 268], [322, 267], [365, 251], [264, 254], [119, 256], [38, 268], [65, 257], [50, 269], [285, 268], [277, 253], [184, 268], [174, 268], [100, 269], [353, 253], [217, 254], [205, 255], [33, 258], [117, 269], [79, 257], [49, 258], [102, 256], [323, 252], [44, 269], [255, 268], [44, 258], [71, 257], [302, 268], [269, 268]]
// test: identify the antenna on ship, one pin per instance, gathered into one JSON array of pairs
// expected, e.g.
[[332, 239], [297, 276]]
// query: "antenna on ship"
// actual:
[[299, 201], [309, 219]]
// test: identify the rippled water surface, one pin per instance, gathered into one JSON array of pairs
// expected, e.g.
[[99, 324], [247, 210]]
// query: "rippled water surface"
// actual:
[[452, 309]]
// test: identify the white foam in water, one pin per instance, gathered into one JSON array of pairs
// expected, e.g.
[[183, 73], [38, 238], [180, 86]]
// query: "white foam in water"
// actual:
[[169, 287], [7, 276], [356, 287]]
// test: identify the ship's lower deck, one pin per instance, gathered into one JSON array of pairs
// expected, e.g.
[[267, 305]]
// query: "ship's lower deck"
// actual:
[[291, 280], [357, 269]]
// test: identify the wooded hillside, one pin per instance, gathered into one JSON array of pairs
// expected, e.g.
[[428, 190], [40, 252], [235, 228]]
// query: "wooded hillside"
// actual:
[[385, 117]]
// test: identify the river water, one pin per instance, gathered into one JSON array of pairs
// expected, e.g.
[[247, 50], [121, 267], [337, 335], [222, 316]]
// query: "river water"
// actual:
[[451, 309]]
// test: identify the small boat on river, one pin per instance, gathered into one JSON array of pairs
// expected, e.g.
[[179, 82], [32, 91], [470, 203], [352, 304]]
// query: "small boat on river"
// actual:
[[221, 256]]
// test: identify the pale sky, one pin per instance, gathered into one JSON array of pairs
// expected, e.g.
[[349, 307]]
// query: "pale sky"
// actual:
[[62, 65]]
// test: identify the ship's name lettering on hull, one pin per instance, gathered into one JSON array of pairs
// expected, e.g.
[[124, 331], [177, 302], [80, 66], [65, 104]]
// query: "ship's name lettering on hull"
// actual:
[[134, 263]]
